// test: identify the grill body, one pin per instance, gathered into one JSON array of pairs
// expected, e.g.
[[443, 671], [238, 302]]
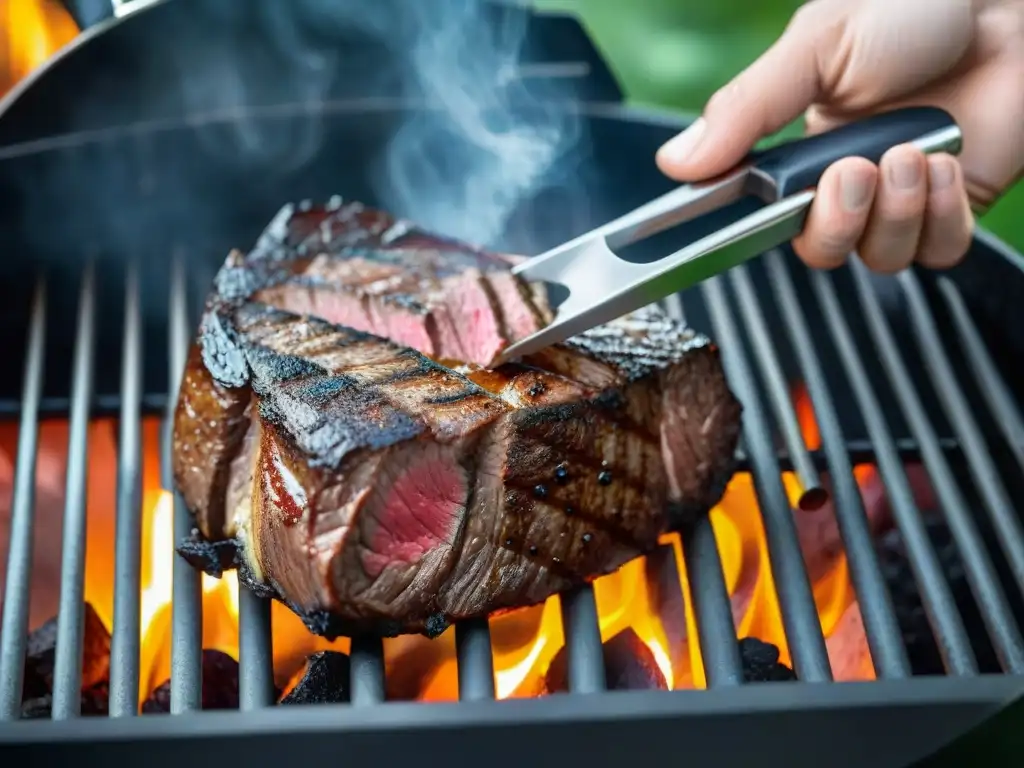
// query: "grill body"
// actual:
[[127, 226]]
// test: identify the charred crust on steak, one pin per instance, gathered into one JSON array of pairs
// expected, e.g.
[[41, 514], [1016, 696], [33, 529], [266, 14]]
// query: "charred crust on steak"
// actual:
[[611, 400], [331, 626], [435, 625], [456, 397], [603, 424], [260, 588], [269, 368], [240, 278], [210, 557], [645, 342], [223, 355], [276, 232]]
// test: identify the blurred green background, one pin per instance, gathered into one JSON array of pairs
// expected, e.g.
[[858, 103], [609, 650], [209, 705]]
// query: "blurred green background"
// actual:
[[676, 53]]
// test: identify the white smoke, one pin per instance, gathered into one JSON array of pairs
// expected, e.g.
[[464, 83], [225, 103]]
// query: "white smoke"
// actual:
[[483, 142], [487, 142], [466, 139]]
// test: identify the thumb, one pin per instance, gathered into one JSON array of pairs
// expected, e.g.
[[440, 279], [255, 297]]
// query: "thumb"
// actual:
[[765, 97]]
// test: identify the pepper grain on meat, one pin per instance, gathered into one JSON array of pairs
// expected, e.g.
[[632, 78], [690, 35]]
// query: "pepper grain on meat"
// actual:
[[443, 489]]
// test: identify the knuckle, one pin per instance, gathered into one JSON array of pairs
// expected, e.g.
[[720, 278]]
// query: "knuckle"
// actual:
[[835, 241], [899, 216], [886, 261], [819, 260], [827, 244], [945, 246], [936, 256]]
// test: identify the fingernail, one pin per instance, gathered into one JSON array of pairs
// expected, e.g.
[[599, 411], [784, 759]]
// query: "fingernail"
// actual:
[[905, 173], [856, 189], [679, 148], [941, 174]]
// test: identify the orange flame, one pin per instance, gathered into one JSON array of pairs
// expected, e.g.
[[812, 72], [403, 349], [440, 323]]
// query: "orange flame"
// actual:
[[526, 641], [30, 32]]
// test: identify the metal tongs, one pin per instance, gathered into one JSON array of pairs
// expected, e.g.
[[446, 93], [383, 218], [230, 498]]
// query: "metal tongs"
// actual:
[[589, 285]]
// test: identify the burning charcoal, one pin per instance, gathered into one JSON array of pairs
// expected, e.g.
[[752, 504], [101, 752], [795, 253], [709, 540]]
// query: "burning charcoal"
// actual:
[[326, 681], [41, 647], [925, 658], [628, 665], [95, 702], [761, 662], [220, 686]]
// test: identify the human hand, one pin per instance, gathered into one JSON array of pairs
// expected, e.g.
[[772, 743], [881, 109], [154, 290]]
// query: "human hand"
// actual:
[[843, 59]]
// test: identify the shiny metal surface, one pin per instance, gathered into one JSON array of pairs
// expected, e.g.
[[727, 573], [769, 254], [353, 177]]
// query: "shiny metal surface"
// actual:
[[602, 286]]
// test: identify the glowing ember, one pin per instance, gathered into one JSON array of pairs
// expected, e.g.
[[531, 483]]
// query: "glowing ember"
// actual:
[[525, 642], [32, 30]]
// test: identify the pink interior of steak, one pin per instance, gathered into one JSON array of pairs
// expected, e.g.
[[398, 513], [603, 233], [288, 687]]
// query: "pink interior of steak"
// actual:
[[466, 317], [379, 486]]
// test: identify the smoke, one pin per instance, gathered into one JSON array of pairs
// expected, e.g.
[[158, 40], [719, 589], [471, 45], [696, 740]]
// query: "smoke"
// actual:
[[484, 139], [228, 78], [487, 142], [179, 132]]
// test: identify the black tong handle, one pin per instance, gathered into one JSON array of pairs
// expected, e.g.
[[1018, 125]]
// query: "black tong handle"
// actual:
[[797, 165]]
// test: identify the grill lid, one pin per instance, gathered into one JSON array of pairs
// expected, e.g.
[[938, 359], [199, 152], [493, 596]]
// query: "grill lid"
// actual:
[[918, 365]]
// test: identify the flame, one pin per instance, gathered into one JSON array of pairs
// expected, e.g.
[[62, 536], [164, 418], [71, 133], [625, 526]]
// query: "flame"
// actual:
[[292, 641], [525, 641], [30, 32]]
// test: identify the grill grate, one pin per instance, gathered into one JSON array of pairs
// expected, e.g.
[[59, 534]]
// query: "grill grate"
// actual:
[[736, 311]]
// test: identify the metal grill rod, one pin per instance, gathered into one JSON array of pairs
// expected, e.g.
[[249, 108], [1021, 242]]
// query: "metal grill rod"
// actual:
[[990, 382], [17, 587], [585, 656], [255, 651], [981, 574], [861, 452], [367, 671], [774, 379], [712, 608], [936, 597], [186, 597], [885, 640], [986, 477], [124, 643], [799, 613], [475, 660], [255, 625], [67, 664]]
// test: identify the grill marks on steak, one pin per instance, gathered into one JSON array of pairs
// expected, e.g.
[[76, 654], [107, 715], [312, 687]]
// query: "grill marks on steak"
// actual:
[[437, 507], [440, 298], [368, 484], [469, 316]]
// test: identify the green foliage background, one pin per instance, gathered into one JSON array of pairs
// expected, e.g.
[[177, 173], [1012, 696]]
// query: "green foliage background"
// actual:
[[676, 53]]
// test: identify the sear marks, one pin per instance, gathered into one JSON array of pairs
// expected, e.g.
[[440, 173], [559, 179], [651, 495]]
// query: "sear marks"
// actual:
[[338, 422]]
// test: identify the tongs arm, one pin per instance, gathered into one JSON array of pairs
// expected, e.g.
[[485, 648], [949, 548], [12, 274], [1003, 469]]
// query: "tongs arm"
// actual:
[[597, 285]]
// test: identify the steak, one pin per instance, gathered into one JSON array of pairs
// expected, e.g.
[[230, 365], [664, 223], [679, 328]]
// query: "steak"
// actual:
[[340, 438]]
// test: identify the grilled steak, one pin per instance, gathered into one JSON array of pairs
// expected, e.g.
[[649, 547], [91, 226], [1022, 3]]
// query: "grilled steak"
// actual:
[[339, 431]]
